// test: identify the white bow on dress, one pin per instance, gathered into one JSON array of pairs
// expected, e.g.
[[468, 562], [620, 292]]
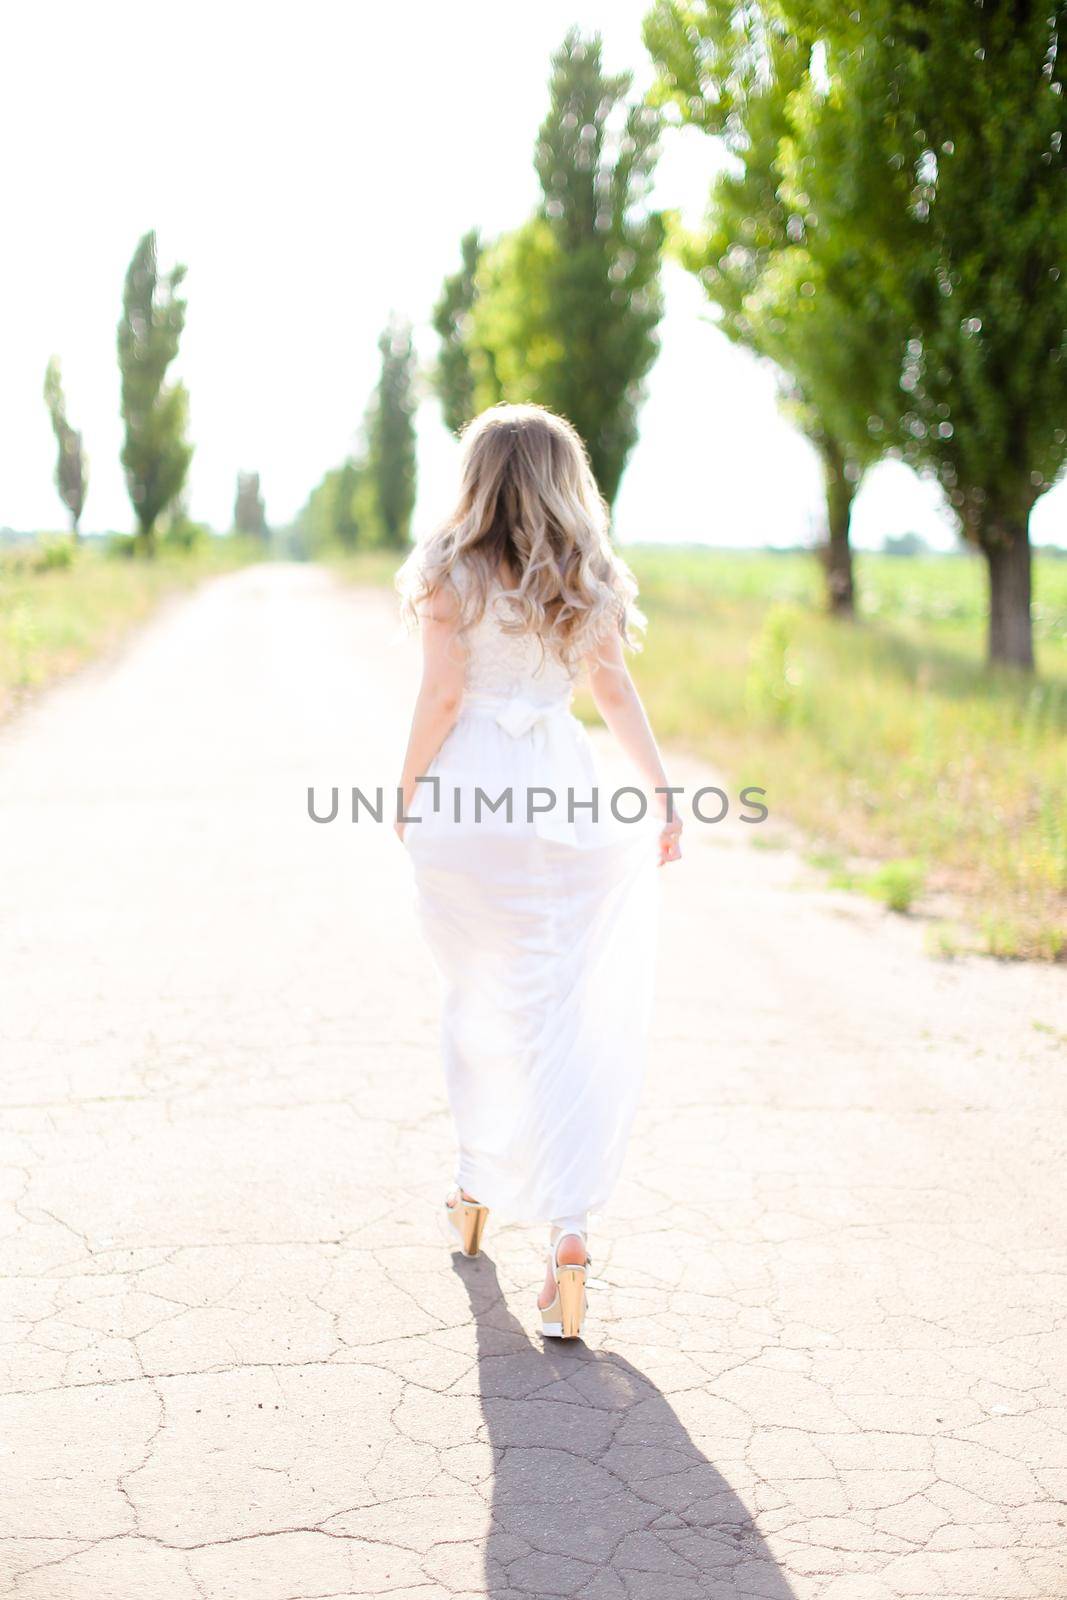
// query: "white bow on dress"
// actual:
[[559, 756]]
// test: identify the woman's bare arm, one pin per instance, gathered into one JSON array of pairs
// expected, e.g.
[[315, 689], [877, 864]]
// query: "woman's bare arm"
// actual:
[[440, 692], [616, 698]]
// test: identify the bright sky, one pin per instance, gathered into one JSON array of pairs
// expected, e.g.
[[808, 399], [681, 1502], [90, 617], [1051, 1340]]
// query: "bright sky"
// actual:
[[315, 167]]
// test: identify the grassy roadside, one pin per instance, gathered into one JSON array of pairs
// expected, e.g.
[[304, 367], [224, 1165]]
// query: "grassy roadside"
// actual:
[[53, 618], [918, 775], [916, 772]]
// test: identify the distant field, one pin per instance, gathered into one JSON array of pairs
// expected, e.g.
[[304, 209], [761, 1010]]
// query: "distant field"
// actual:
[[55, 617], [918, 775]]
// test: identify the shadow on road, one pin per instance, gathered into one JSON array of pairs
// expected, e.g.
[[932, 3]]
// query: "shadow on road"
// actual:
[[598, 1488]]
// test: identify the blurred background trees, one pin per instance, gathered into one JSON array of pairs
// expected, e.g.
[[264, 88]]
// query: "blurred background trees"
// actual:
[[249, 510], [891, 233], [389, 466], [791, 280], [367, 502], [564, 310], [885, 228], [72, 465], [975, 123], [156, 453], [453, 374]]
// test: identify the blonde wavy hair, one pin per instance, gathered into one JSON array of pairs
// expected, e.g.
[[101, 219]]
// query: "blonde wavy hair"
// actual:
[[528, 502]]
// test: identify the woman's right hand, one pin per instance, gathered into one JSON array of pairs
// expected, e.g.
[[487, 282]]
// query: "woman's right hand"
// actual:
[[670, 842]]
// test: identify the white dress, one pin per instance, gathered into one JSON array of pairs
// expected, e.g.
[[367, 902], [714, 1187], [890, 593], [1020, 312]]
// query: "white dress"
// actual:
[[543, 929]]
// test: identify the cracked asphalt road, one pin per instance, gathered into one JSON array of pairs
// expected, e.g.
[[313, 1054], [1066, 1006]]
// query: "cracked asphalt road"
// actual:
[[825, 1352]]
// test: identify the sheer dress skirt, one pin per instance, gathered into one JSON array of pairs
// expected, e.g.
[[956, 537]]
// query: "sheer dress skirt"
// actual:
[[544, 934]]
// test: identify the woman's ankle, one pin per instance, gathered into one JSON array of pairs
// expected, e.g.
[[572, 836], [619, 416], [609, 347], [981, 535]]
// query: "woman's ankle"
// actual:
[[567, 1238]]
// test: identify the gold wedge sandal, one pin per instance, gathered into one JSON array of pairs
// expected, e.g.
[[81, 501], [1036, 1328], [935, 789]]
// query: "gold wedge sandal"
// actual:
[[564, 1317], [465, 1221]]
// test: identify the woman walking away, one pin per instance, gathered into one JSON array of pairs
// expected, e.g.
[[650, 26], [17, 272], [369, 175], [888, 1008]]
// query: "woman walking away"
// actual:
[[538, 899]]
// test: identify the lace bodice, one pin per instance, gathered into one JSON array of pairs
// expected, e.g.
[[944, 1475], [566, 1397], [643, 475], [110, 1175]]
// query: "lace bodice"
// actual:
[[502, 663]]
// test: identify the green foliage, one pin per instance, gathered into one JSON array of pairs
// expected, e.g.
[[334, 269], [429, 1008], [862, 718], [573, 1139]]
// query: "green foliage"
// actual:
[[182, 533], [249, 511], [973, 132], [771, 688], [55, 616], [978, 131], [1002, 938], [564, 311], [20, 638], [791, 279], [155, 454], [368, 500], [121, 546], [892, 232], [344, 502], [72, 466], [902, 744], [897, 884], [904, 544], [515, 346], [329, 519], [386, 485], [453, 377], [54, 552]]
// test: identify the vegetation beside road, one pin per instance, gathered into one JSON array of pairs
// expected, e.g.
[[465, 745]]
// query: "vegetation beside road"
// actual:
[[916, 769], [62, 603]]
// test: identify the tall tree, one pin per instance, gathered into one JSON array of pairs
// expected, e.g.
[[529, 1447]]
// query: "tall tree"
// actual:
[[389, 468], [567, 308], [368, 500], [977, 119], [793, 281], [330, 516], [453, 377], [946, 181], [249, 511], [72, 465], [155, 453]]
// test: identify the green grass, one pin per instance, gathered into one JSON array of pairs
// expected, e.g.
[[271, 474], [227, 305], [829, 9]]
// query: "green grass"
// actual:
[[56, 613], [911, 765], [888, 740]]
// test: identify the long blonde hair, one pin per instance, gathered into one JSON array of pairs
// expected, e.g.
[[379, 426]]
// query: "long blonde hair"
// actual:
[[528, 501]]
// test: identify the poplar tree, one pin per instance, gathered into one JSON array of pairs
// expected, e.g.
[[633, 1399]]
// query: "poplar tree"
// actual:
[[921, 166], [155, 451], [566, 309], [72, 464], [977, 115], [793, 280], [453, 376], [388, 476], [249, 512]]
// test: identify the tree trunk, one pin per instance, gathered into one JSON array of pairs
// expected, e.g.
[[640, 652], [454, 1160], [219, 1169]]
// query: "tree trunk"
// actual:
[[837, 552], [1005, 542]]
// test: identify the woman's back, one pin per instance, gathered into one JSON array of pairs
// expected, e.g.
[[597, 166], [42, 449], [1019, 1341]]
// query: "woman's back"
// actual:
[[504, 663]]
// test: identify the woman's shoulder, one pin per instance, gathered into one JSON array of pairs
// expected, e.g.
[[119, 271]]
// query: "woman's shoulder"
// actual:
[[462, 577]]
